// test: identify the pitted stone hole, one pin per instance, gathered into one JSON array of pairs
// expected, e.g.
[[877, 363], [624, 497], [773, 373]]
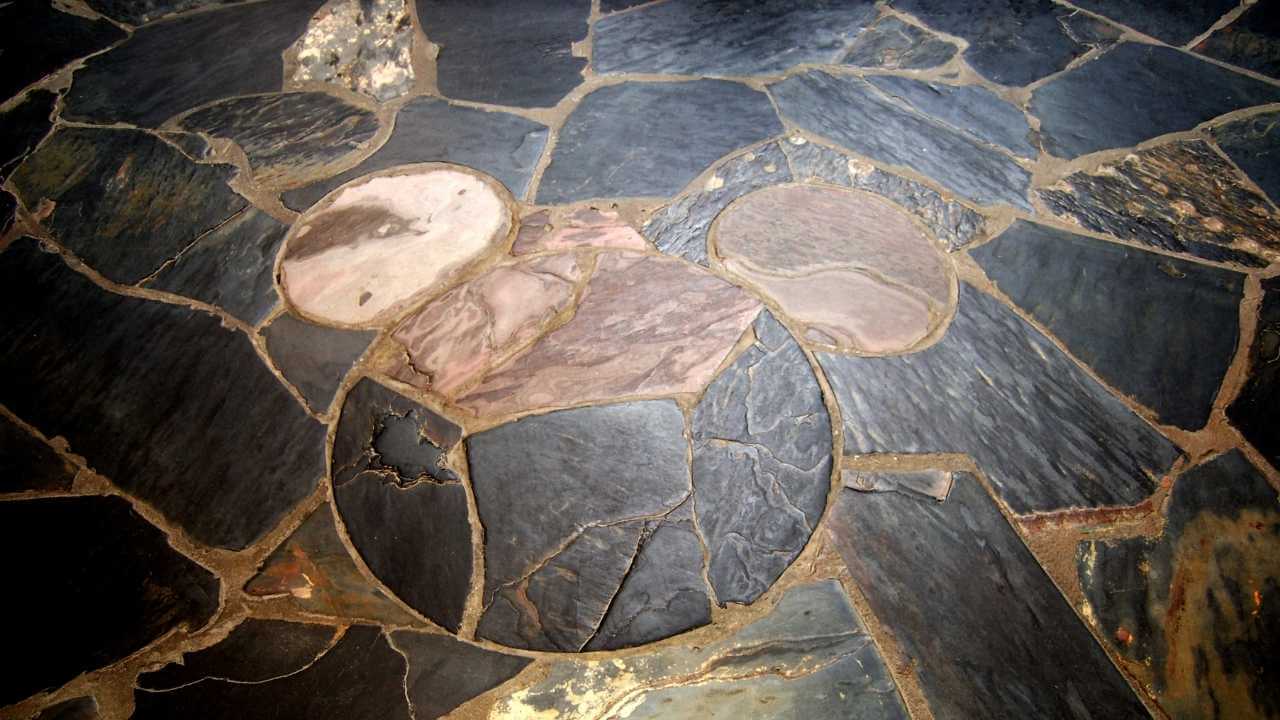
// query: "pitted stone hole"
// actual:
[[400, 446]]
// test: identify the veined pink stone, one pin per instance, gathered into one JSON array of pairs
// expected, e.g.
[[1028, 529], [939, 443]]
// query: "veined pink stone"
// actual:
[[580, 228]]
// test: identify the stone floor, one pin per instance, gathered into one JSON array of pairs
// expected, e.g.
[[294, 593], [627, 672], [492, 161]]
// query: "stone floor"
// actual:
[[624, 359]]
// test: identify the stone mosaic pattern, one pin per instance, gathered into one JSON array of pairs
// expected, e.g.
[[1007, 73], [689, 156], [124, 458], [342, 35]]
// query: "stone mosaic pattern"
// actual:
[[1253, 145], [1251, 411], [1252, 41], [891, 44], [46, 39]]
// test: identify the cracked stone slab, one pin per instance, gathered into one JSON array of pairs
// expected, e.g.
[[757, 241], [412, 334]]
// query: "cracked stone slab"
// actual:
[[1253, 144], [970, 108], [1176, 22], [445, 673], [38, 40], [973, 627], [81, 708], [255, 651], [891, 44], [314, 358], [114, 376], [850, 112], [1048, 436], [933, 484], [1252, 41], [1108, 303], [1190, 611], [548, 230], [29, 463], [1135, 92], [141, 589], [651, 139], [360, 45], [706, 37], [1253, 410], [23, 126]]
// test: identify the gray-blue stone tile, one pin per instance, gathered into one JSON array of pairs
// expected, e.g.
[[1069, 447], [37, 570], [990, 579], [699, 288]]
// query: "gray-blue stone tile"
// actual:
[[1176, 22], [971, 108]]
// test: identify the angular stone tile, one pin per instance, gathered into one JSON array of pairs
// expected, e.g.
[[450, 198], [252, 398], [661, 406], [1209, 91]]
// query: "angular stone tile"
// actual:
[[81, 708], [1107, 303], [315, 359], [1135, 92], [1176, 22], [1253, 144], [374, 247], [971, 108], [361, 45], [444, 673], [933, 484], [361, 676], [985, 630], [707, 37], [287, 137], [1252, 41], [140, 12], [848, 111], [1048, 436], [38, 40], [651, 139], [761, 463], [29, 463], [431, 130], [1253, 410], [582, 227], [891, 44], [140, 587], [645, 325], [254, 651], [23, 126], [1182, 197], [404, 508], [1191, 611], [487, 57], [173, 66]]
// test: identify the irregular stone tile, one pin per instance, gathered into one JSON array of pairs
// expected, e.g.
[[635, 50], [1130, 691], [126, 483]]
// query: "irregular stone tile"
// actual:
[[1103, 301], [1253, 144], [254, 651], [1182, 197], [1135, 92], [431, 130], [404, 508], [848, 111], [39, 39], [1190, 611], [582, 227], [933, 484], [681, 227], [971, 108], [173, 66], [706, 37], [361, 45], [891, 44], [29, 463], [651, 139], [456, 338], [315, 359], [361, 676], [287, 137], [230, 266], [761, 463], [81, 708], [1048, 436], [23, 126], [374, 247], [444, 673], [1253, 410], [486, 57], [645, 325], [140, 587], [125, 201], [1176, 22], [974, 627], [140, 12], [1252, 41], [118, 378]]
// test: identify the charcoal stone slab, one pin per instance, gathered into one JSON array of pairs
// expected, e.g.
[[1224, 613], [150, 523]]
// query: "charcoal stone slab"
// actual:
[[22, 126], [1111, 305], [986, 631], [81, 708], [1047, 435], [164, 400], [1135, 92], [848, 111], [1251, 42], [971, 108], [714, 38], [361, 676], [497, 52], [432, 130], [445, 673], [254, 651], [8, 207], [179, 64], [84, 603], [1253, 144], [892, 44], [36, 40], [314, 358], [652, 139], [140, 12], [126, 201], [29, 463], [1176, 22], [1253, 410]]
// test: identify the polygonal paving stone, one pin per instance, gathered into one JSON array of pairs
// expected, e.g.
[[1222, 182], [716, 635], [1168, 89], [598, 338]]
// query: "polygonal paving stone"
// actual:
[[971, 108], [360, 45], [314, 358], [140, 12], [254, 651], [1253, 144], [23, 126], [891, 44], [1176, 22], [1252, 41], [38, 39], [1253, 410], [546, 230], [29, 463], [444, 673]]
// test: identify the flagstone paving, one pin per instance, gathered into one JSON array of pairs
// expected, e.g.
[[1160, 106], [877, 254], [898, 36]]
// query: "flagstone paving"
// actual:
[[639, 358]]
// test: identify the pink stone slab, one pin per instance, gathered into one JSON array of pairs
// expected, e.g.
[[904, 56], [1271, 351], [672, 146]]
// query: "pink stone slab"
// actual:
[[583, 227]]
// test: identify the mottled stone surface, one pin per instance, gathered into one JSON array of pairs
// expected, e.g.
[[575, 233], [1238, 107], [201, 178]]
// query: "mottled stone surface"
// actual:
[[81, 708], [1253, 410], [361, 45], [140, 587], [444, 673], [1253, 144], [29, 463], [1182, 197], [932, 484], [581, 227], [375, 246], [971, 108], [652, 139], [115, 375], [1252, 41], [254, 651], [314, 358], [1190, 611], [1135, 92], [848, 111], [891, 44], [1176, 22], [985, 630], [761, 463], [708, 37], [39, 39], [1046, 434], [1110, 304], [23, 126], [140, 12]]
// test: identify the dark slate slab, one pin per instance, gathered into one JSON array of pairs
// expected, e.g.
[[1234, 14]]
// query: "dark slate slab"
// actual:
[[1135, 92], [985, 630], [126, 201], [445, 673], [651, 139], [891, 44], [139, 12], [1176, 22], [315, 359], [971, 108], [1047, 435], [761, 463], [710, 37], [1253, 144], [23, 126], [162, 399], [1252, 41], [1253, 410], [431, 130], [29, 463], [180, 64], [1111, 305], [8, 206], [81, 708], [497, 52], [848, 111], [254, 651], [404, 508], [38, 40], [1200, 590], [85, 603], [361, 676]]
